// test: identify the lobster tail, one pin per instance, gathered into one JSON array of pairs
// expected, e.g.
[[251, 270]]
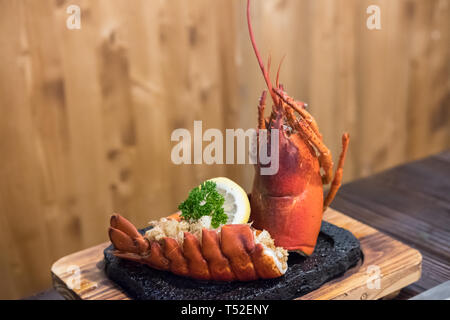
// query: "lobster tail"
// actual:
[[232, 253]]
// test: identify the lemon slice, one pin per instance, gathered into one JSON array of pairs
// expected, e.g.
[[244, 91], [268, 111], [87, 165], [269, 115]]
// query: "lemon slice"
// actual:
[[236, 206]]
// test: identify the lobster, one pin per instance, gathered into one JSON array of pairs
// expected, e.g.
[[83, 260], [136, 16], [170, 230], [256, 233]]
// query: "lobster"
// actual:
[[288, 206], [235, 252], [290, 203]]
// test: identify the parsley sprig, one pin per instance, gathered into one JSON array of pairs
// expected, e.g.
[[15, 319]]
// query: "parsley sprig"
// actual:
[[204, 200]]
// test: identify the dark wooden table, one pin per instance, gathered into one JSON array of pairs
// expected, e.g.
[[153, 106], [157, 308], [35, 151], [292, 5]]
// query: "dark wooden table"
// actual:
[[410, 203]]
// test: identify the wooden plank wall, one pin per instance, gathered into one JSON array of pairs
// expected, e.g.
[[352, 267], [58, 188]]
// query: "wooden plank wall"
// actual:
[[86, 115]]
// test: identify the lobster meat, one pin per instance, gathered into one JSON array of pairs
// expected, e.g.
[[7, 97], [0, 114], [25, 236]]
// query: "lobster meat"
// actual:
[[290, 203], [233, 252]]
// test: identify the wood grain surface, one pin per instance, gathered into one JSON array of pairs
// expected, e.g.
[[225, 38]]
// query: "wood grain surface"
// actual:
[[86, 115], [398, 265]]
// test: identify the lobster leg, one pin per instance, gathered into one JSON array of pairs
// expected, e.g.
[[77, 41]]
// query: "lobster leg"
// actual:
[[325, 159], [300, 108], [336, 184], [308, 126], [289, 113], [261, 107]]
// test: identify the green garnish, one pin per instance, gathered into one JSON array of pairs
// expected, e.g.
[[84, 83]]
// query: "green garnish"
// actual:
[[204, 201]]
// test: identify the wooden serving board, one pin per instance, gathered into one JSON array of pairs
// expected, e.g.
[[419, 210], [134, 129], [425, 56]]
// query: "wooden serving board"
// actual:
[[81, 276]]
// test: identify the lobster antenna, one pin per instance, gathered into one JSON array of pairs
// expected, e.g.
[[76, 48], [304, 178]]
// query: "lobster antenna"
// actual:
[[261, 64], [278, 72]]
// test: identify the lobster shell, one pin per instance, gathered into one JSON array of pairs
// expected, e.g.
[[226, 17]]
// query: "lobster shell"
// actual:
[[229, 255], [289, 204]]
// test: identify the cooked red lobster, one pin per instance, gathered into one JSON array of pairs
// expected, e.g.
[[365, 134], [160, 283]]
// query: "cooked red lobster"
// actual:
[[290, 203], [233, 252], [287, 206]]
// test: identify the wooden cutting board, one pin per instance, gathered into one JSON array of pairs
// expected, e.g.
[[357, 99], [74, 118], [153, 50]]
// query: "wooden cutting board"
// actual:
[[387, 267]]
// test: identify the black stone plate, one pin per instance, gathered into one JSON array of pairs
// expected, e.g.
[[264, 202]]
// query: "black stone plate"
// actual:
[[336, 251]]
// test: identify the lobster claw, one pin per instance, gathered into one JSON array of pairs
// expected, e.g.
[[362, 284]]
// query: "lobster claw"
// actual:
[[233, 253]]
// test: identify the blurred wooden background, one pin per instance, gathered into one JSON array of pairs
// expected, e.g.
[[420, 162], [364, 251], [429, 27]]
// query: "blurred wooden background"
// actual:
[[86, 115]]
